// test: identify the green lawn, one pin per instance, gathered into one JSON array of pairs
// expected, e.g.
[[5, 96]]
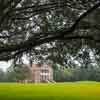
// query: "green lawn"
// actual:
[[59, 91]]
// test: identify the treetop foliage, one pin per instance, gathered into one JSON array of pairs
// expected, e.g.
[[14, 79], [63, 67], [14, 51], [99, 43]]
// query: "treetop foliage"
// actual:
[[26, 24]]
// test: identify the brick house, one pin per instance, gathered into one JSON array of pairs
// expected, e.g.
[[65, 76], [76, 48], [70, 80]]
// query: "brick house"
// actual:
[[42, 73]]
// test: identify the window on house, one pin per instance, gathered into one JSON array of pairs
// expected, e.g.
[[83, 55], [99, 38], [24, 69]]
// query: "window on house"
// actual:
[[44, 71]]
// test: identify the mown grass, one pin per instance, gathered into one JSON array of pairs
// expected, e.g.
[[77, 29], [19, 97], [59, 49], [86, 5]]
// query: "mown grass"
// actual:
[[57, 91]]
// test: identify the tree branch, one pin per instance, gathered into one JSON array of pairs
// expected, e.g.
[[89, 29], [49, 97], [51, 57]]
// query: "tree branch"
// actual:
[[61, 34]]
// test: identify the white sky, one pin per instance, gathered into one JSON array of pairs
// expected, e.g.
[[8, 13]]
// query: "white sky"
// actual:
[[4, 65]]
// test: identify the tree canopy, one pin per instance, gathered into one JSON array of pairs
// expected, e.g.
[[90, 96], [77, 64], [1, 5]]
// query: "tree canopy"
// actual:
[[51, 24]]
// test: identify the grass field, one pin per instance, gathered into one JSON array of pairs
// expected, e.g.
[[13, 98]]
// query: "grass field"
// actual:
[[59, 91]]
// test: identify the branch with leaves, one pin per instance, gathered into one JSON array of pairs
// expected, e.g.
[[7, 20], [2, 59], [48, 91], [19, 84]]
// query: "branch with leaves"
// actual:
[[39, 38]]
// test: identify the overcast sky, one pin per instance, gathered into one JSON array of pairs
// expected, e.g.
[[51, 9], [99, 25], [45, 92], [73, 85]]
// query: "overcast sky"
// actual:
[[5, 65]]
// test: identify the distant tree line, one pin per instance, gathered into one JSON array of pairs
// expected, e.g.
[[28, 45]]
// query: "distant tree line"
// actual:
[[76, 74], [61, 74], [15, 73]]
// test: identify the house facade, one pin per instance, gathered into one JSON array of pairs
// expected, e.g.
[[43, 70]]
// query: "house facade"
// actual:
[[42, 73]]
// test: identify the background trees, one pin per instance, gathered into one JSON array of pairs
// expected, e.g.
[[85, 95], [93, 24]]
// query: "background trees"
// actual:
[[16, 73], [2, 75]]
